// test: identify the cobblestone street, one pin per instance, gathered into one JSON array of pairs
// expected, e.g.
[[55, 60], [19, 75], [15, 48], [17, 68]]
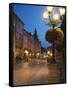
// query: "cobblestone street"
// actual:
[[35, 72]]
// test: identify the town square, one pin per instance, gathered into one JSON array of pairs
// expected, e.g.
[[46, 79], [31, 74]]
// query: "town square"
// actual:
[[38, 44]]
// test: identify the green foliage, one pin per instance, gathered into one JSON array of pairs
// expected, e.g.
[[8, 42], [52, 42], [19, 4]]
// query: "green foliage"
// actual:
[[55, 35]]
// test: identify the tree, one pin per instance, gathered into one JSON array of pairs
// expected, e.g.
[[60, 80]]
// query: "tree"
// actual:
[[54, 36]]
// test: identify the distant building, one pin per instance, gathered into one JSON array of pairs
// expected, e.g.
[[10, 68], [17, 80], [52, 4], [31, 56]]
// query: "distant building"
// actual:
[[37, 44], [50, 48], [24, 40], [43, 52], [18, 30]]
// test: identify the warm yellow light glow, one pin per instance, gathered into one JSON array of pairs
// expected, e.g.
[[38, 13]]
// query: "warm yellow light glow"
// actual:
[[26, 51], [45, 15], [62, 11], [56, 16], [51, 54], [38, 54], [30, 54], [49, 8], [48, 52]]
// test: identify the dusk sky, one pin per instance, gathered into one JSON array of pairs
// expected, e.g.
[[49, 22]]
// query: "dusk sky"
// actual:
[[32, 16]]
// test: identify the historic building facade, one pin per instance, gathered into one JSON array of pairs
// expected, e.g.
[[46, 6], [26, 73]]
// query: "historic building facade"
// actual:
[[18, 30], [23, 40]]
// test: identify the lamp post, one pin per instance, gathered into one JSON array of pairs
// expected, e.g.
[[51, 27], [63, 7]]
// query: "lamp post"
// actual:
[[53, 17]]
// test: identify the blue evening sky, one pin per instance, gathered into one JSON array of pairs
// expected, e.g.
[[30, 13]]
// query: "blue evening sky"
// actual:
[[32, 16]]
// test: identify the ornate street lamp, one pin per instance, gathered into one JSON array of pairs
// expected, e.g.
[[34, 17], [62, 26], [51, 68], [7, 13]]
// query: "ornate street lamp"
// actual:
[[50, 9], [62, 11], [53, 17]]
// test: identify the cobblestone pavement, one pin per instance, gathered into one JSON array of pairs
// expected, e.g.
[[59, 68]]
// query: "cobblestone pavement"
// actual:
[[35, 72]]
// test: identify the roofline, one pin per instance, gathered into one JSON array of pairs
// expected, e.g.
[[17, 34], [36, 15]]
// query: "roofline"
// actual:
[[18, 17]]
